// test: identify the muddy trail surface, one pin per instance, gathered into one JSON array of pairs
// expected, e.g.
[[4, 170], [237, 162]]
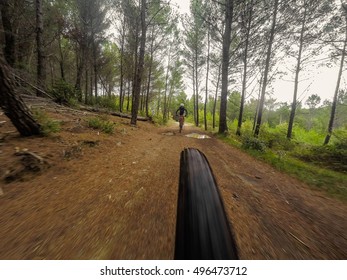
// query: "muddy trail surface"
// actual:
[[97, 196]]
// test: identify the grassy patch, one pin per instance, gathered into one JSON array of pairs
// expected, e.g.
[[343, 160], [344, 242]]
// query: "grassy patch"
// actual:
[[48, 125], [332, 182], [102, 124]]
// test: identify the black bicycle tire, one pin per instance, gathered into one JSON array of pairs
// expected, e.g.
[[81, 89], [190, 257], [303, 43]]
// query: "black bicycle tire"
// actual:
[[202, 228]]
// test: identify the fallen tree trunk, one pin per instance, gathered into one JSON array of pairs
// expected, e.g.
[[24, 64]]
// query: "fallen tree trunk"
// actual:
[[117, 114]]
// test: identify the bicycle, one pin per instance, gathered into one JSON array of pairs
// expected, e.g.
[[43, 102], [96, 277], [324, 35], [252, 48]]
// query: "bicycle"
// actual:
[[181, 122], [202, 227]]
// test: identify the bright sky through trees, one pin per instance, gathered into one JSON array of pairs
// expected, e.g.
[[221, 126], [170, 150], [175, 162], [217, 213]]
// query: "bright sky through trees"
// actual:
[[314, 80]]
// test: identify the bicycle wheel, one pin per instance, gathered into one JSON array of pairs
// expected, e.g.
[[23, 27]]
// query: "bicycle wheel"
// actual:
[[181, 123], [202, 227]]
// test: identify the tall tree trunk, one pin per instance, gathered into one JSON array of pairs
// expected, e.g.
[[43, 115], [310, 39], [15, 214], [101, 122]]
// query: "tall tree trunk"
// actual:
[[95, 68], [207, 75], [245, 65], [196, 88], [215, 99], [80, 58], [121, 93], [334, 104], [166, 86], [266, 71], [41, 71], [128, 97], [13, 105], [149, 78], [61, 62], [297, 72], [223, 126], [139, 71], [194, 94], [10, 39]]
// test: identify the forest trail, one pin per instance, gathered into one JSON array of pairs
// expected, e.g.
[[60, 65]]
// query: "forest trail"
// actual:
[[115, 197]]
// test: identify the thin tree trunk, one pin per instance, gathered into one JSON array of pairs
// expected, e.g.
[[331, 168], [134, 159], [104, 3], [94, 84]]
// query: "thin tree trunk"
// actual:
[[95, 68], [10, 39], [139, 71], [13, 105], [194, 94], [149, 80], [245, 65], [297, 72], [41, 74], [207, 75], [215, 99], [166, 86], [121, 94], [334, 104], [128, 97], [196, 88], [61, 62], [223, 126], [266, 71]]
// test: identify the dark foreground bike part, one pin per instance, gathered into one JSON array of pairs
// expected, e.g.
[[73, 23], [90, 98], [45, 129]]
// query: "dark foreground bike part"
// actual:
[[202, 228]]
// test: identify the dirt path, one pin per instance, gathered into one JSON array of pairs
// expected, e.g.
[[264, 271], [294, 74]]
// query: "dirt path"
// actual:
[[117, 199]]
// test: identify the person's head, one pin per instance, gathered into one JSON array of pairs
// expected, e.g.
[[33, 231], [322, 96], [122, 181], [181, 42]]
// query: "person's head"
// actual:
[[181, 105]]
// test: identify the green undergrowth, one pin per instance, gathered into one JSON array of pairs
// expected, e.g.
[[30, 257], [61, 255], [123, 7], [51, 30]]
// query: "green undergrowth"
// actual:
[[48, 125], [101, 123], [285, 159]]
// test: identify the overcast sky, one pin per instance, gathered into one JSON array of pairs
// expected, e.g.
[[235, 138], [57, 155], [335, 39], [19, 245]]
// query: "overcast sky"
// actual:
[[321, 81]]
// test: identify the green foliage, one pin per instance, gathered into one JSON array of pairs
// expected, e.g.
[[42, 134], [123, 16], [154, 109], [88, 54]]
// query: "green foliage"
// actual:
[[158, 119], [310, 137], [333, 156], [103, 124], [64, 93], [48, 126], [107, 102], [332, 182], [250, 142]]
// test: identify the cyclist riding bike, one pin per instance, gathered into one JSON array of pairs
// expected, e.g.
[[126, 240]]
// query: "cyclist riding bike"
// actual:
[[181, 112]]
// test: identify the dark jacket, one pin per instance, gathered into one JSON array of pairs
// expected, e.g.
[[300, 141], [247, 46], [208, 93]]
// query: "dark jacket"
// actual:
[[181, 111]]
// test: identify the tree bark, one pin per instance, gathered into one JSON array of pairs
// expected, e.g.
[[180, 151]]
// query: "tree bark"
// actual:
[[296, 81], [223, 126], [207, 75], [121, 90], [245, 65], [13, 105], [334, 104], [215, 99], [139, 71], [10, 39], [196, 87], [266, 71], [41, 73]]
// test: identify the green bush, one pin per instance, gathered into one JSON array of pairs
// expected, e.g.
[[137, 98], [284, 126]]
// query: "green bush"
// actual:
[[64, 93], [250, 142], [311, 137], [99, 123], [107, 102], [332, 156], [48, 125]]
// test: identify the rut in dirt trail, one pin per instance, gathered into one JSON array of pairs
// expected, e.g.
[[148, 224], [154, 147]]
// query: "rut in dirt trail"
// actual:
[[118, 200]]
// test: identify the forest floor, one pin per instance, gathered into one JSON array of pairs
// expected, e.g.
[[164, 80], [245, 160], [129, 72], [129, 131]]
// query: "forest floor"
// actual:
[[84, 194]]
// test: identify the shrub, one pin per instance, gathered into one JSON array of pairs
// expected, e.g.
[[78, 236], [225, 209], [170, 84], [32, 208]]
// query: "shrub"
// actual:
[[249, 142], [48, 125], [99, 123], [333, 156], [107, 102], [64, 93]]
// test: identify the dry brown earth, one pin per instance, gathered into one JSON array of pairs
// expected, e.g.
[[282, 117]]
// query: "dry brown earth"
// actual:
[[100, 196]]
